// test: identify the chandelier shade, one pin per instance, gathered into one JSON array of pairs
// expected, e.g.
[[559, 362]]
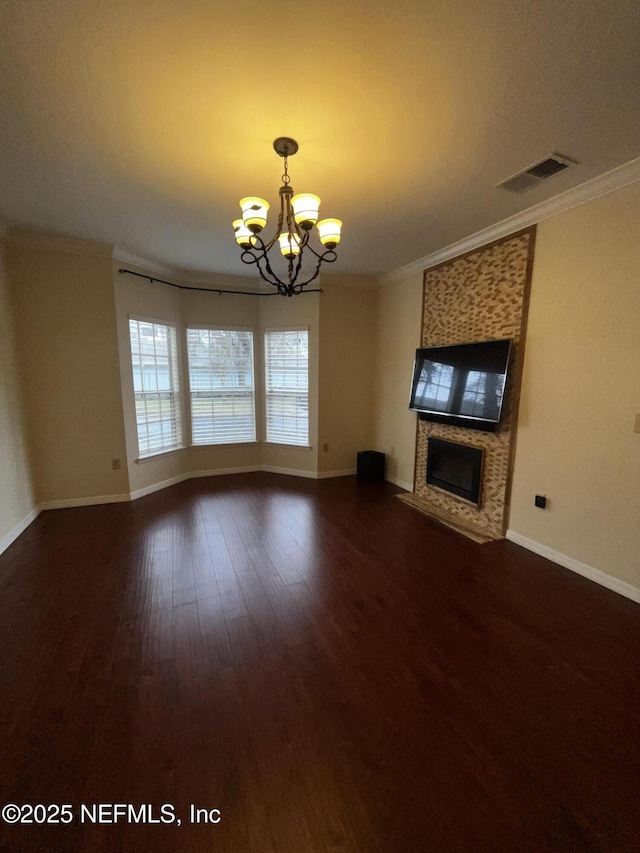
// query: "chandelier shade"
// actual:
[[329, 232], [305, 209], [289, 244], [298, 216], [254, 213], [243, 235]]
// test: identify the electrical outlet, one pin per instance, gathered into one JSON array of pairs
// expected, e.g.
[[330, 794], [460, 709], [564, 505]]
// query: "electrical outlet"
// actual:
[[325, 447], [116, 465], [541, 501]]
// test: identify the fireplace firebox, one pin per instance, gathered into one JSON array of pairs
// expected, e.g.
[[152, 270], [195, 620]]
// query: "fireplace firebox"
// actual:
[[456, 468]]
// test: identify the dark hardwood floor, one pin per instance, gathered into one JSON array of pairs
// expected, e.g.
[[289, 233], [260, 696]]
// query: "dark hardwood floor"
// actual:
[[328, 668]]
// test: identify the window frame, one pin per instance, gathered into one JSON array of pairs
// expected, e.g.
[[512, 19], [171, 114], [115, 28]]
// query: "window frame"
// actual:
[[266, 395], [174, 358], [222, 328]]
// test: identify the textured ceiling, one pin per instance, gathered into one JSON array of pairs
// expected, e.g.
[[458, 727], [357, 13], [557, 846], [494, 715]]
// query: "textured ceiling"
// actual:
[[142, 124]]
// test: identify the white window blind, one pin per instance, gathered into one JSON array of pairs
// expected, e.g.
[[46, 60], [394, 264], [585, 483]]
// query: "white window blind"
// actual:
[[222, 387], [155, 383], [286, 355]]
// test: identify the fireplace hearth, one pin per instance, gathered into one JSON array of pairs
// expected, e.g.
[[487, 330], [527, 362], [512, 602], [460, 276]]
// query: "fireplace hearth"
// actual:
[[456, 468]]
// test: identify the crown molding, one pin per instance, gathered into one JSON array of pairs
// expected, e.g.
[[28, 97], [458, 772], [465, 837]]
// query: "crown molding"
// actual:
[[617, 178], [228, 281], [57, 243], [179, 275], [145, 264]]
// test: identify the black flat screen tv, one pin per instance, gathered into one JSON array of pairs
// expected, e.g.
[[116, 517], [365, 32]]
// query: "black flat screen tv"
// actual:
[[461, 384]]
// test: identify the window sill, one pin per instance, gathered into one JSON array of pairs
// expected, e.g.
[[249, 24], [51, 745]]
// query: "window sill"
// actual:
[[160, 455], [306, 447], [224, 444]]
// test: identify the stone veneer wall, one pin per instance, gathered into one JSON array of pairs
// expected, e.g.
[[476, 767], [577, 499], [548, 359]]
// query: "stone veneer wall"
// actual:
[[479, 296]]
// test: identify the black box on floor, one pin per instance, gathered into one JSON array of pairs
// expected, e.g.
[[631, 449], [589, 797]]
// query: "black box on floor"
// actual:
[[370, 466]]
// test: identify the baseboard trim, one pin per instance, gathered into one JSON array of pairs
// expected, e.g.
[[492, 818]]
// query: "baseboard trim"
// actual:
[[68, 503], [408, 487], [157, 487], [92, 501], [290, 472], [10, 537], [590, 572], [217, 472]]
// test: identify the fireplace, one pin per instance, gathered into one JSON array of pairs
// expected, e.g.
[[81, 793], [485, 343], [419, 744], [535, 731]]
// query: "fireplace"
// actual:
[[456, 468]]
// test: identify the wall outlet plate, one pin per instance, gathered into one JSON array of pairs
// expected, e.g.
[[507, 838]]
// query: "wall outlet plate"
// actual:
[[116, 464], [541, 501]]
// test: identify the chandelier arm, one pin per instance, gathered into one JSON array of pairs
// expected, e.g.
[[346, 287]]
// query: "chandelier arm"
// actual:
[[259, 246], [292, 278], [298, 287], [257, 254], [321, 259], [279, 227], [248, 257], [268, 274], [292, 225], [267, 246], [318, 254], [280, 221]]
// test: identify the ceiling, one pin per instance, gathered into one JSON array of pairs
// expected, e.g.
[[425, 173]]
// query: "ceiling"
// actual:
[[143, 123]]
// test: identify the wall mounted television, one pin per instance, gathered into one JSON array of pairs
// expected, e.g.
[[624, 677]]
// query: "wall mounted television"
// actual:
[[461, 384]]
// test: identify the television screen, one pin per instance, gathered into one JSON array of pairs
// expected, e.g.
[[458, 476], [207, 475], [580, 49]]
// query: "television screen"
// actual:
[[462, 383]]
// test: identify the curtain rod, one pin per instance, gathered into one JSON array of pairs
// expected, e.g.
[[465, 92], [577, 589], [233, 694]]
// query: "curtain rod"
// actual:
[[211, 289]]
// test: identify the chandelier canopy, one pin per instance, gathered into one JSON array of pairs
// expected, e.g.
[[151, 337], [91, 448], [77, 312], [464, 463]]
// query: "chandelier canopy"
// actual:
[[297, 217]]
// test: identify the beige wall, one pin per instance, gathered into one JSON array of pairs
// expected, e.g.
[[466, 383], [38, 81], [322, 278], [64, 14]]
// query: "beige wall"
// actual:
[[67, 347], [399, 313], [17, 499], [346, 374], [140, 298], [581, 389]]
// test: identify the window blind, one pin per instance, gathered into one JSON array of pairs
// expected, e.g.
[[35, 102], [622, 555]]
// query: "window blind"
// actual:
[[155, 385], [222, 386], [286, 356]]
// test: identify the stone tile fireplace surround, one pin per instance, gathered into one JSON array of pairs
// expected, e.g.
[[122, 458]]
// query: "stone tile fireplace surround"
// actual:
[[482, 295]]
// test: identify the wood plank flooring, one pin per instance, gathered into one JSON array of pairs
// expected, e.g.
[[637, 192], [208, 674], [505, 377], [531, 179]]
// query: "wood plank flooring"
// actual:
[[330, 670]]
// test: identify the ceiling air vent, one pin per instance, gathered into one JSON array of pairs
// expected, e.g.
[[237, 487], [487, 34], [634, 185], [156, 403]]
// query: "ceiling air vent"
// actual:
[[540, 171]]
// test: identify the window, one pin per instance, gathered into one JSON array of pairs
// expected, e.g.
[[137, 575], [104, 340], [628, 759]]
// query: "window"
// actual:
[[155, 383], [222, 388], [286, 355], [435, 386]]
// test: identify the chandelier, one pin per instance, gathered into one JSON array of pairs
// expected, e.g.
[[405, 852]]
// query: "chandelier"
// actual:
[[298, 214]]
